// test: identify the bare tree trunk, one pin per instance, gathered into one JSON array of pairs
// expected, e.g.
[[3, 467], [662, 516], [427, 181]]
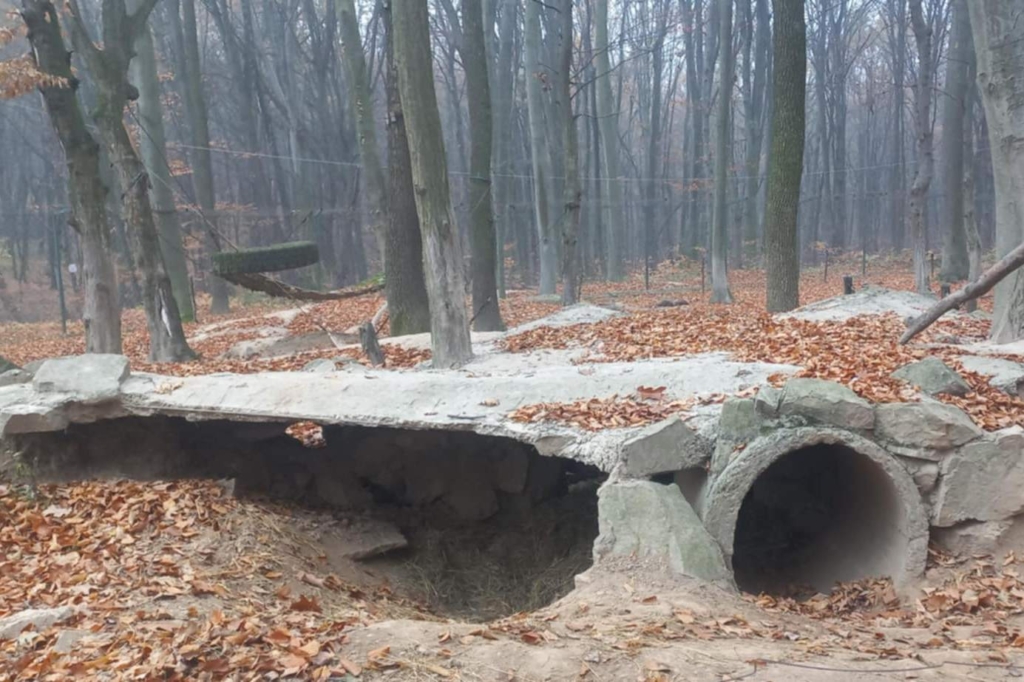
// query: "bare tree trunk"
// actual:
[[608, 123], [719, 239], [789, 81], [540, 150], [502, 97], [998, 32], [573, 192], [898, 12], [925, 154], [487, 314], [202, 165], [955, 265], [404, 285], [970, 223], [109, 68], [153, 144], [362, 104], [102, 309], [755, 72], [449, 324]]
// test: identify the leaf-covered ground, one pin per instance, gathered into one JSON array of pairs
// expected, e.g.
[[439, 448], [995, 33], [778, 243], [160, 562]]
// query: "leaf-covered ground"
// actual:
[[179, 581], [861, 353]]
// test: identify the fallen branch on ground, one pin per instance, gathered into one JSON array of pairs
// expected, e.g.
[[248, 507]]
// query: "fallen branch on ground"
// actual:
[[991, 277]]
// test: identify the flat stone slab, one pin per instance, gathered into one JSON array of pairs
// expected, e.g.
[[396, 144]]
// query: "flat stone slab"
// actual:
[[477, 398], [868, 301], [92, 378]]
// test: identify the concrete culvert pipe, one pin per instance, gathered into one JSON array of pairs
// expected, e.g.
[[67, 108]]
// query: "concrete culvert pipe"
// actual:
[[811, 507]]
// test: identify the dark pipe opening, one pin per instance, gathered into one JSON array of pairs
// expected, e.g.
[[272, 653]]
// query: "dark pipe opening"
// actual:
[[817, 516]]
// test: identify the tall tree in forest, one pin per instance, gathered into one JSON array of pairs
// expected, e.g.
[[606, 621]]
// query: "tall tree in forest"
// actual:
[[101, 313], [153, 145], [540, 151], [925, 154], [449, 324], [486, 313], [573, 192], [505, 70], [357, 78], [719, 238], [404, 286], [756, 38], [654, 145], [955, 265], [108, 67], [187, 37], [789, 83], [998, 30], [608, 124], [897, 31]]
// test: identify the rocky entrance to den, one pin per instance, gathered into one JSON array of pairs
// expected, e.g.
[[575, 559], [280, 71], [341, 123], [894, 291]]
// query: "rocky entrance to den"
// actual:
[[473, 527], [817, 516]]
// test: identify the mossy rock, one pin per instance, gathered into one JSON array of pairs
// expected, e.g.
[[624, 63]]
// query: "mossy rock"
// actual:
[[266, 259]]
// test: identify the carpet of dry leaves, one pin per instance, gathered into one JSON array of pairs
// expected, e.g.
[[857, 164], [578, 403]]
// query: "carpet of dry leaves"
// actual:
[[158, 596], [861, 353], [161, 595]]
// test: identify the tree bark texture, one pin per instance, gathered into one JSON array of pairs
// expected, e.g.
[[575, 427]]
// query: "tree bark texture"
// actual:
[[202, 165], [102, 308], [109, 68], [573, 190], [789, 82], [998, 30], [153, 145], [608, 123], [539, 149], [362, 103], [449, 324], [955, 265], [486, 313], [925, 153], [719, 238], [404, 286]]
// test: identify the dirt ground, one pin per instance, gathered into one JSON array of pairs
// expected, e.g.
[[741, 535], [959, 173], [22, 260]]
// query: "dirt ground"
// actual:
[[179, 580]]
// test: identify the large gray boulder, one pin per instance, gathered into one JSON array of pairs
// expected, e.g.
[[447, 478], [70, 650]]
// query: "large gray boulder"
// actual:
[[13, 625], [826, 402], [933, 377], [669, 445], [982, 481], [1006, 375], [86, 379], [927, 424], [654, 522]]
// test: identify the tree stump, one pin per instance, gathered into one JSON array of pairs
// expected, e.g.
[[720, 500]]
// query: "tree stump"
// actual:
[[847, 285]]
